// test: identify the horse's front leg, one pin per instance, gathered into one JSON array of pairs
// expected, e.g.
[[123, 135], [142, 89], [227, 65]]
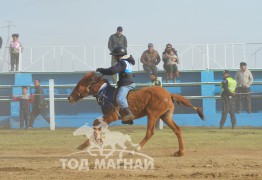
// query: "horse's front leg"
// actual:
[[151, 121], [108, 118], [83, 145]]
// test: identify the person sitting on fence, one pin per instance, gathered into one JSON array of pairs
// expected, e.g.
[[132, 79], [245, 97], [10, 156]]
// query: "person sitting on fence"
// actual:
[[244, 80], [25, 100], [170, 60], [150, 59]]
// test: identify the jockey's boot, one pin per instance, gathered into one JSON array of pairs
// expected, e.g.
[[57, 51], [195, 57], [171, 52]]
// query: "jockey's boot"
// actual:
[[131, 122], [128, 115]]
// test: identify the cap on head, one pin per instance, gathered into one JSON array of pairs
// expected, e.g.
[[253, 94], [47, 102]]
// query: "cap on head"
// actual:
[[150, 45], [226, 72], [119, 28], [15, 35], [243, 64]]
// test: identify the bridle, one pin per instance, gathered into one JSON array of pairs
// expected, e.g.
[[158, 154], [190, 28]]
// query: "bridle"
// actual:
[[89, 89]]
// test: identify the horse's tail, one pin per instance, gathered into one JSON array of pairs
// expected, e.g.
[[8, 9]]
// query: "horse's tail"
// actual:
[[182, 100]]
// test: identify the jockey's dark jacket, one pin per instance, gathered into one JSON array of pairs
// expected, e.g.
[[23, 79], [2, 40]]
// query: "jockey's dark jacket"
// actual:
[[125, 79], [39, 97]]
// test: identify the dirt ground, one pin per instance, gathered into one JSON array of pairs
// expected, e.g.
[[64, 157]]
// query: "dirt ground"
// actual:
[[211, 153]]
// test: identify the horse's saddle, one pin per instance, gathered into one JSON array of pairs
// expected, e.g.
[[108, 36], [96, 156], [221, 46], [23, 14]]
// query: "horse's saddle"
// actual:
[[106, 98]]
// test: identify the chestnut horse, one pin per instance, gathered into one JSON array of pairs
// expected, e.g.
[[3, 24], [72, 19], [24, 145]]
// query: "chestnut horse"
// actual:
[[154, 102]]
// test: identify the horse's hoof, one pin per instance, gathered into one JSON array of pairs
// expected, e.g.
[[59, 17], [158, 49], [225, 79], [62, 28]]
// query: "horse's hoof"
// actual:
[[138, 148], [128, 122], [178, 154]]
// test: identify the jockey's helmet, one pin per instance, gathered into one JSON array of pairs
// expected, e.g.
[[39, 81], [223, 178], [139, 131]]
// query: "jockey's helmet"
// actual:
[[119, 51]]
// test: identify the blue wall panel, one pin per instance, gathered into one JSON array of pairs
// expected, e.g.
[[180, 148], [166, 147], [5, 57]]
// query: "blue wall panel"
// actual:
[[208, 90]]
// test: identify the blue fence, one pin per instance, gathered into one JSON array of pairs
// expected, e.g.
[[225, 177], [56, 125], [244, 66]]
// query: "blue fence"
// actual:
[[190, 84]]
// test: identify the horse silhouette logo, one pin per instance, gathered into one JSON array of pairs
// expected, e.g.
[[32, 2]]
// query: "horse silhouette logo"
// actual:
[[100, 138]]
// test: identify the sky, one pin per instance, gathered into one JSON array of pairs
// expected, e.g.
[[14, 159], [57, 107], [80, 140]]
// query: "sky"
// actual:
[[91, 22]]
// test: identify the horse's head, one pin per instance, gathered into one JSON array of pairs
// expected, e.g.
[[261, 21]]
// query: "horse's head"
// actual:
[[86, 86], [98, 135]]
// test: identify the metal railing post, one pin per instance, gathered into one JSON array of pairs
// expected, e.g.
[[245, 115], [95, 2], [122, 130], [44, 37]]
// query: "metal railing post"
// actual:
[[20, 60], [225, 60], [52, 104], [208, 58]]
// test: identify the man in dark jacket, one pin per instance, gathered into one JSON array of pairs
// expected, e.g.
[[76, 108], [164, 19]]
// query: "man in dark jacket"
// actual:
[[228, 86], [124, 69], [39, 104], [116, 40]]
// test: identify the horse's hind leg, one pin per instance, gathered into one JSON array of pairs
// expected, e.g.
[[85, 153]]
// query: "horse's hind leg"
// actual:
[[168, 119], [150, 131]]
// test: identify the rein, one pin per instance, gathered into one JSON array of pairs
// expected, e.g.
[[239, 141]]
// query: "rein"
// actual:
[[88, 88], [89, 91]]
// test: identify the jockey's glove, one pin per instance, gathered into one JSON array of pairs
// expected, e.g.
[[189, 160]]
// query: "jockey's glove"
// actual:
[[98, 69]]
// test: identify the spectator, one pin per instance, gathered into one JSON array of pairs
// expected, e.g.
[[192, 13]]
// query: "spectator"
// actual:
[[125, 83], [150, 58], [15, 48], [116, 40], [155, 81], [170, 60], [228, 93], [39, 104], [1, 42], [244, 80], [25, 100]]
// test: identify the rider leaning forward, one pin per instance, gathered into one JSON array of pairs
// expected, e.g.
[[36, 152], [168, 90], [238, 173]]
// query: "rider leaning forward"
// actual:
[[124, 69]]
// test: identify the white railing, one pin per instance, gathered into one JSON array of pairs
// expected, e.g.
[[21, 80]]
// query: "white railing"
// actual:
[[85, 58]]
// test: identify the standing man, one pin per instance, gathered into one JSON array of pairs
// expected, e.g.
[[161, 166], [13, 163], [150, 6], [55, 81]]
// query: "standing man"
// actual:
[[228, 93], [15, 48], [150, 58], [1, 42], [244, 80], [25, 101], [125, 83], [39, 104], [116, 40]]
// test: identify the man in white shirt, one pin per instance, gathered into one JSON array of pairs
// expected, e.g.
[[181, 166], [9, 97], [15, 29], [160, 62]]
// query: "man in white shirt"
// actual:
[[244, 80]]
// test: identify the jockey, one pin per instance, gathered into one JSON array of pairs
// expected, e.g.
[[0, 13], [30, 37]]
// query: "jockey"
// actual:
[[124, 69]]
